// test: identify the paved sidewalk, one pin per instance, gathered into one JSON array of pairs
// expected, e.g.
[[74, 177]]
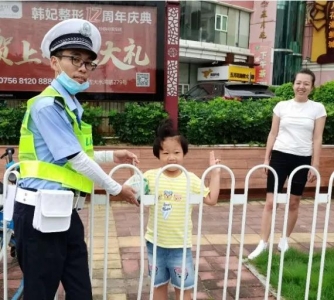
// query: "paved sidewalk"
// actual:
[[124, 251]]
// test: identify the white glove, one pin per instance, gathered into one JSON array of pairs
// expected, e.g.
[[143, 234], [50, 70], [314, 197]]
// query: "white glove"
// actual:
[[83, 164], [103, 156]]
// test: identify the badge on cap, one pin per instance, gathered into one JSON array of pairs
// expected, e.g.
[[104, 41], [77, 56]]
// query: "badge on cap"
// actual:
[[86, 30]]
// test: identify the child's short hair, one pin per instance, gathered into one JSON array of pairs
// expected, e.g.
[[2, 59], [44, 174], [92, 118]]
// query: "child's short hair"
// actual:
[[166, 130]]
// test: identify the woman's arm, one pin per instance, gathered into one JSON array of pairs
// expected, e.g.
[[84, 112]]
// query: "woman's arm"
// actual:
[[317, 140], [272, 137], [317, 144]]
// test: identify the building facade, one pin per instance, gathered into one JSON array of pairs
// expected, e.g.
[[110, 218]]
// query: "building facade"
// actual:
[[259, 41], [246, 41], [214, 42], [276, 40]]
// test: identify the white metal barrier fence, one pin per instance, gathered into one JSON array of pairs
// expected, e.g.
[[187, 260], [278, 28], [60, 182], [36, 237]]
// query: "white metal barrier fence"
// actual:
[[324, 198], [7, 227], [150, 200], [235, 200], [241, 199], [192, 199], [280, 198]]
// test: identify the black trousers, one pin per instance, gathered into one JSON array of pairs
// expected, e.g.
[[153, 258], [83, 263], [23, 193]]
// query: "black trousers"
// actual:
[[46, 259]]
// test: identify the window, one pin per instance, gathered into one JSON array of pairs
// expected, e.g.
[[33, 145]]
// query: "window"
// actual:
[[183, 88], [221, 23], [243, 34], [190, 21]]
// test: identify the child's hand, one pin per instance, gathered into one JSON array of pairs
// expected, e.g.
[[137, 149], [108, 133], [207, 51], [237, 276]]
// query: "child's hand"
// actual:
[[214, 161]]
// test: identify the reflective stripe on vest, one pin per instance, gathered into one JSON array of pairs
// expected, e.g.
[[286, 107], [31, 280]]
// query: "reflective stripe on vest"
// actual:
[[51, 172], [31, 167]]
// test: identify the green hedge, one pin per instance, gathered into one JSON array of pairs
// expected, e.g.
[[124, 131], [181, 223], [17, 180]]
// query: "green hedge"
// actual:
[[203, 123], [10, 124], [324, 93], [11, 120], [137, 124], [217, 122], [93, 116], [213, 122], [207, 123]]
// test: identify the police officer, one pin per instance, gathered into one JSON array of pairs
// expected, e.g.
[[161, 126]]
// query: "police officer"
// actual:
[[57, 156]]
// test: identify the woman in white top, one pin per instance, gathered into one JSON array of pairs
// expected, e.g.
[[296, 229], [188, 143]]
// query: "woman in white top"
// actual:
[[295, 139]]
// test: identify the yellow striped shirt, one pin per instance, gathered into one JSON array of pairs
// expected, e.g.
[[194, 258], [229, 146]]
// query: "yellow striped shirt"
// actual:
[[171, 208]]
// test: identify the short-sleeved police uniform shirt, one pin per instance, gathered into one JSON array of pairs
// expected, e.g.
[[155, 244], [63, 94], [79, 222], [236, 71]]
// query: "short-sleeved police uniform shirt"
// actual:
[[54, 137]]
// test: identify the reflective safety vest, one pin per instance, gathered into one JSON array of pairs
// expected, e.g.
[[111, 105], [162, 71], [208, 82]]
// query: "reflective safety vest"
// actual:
[[31, 167]]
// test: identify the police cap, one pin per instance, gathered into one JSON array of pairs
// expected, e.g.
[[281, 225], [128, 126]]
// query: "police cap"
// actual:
[[72, 34]]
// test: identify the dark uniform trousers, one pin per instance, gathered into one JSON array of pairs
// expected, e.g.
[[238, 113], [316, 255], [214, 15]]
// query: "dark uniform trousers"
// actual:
[[48, 258]]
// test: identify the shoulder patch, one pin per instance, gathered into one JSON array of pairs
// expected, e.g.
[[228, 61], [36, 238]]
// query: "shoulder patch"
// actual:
[[59, 101]]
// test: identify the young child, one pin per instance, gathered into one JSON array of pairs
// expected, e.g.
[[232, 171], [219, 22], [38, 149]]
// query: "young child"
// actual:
[[170, 148]]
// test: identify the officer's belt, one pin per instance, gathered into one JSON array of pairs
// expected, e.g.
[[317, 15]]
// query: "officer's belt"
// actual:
[[29, 197]]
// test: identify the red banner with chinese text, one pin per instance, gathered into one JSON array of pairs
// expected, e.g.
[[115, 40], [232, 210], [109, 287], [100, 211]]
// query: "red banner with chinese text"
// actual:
[[126, 62], [262, 57]]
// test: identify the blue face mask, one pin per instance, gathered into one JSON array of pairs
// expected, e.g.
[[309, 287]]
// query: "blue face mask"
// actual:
[[72, 86]]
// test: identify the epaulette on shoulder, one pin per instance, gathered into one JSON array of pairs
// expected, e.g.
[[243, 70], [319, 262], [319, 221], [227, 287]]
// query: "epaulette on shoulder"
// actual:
[[59, 101]]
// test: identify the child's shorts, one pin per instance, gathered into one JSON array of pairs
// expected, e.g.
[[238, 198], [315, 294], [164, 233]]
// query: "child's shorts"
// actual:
[[169, 266]]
